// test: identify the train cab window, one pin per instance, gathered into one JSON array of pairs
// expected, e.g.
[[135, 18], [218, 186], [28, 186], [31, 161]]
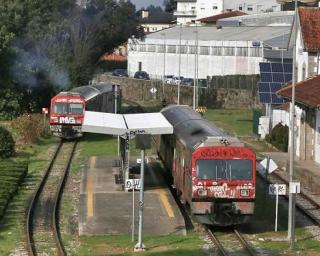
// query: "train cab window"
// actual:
[[76, 108], [222, 169], [60, 108]]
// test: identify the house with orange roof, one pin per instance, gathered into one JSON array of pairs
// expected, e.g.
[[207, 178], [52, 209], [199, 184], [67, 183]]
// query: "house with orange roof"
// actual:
[[307, 89]]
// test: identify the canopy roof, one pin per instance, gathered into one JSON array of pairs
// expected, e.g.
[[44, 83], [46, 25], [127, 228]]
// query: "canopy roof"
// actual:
[[126, 125]]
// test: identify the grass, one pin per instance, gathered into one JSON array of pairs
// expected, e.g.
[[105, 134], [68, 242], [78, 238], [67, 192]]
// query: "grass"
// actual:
[[12, 225], [234, 121], [156, 245]]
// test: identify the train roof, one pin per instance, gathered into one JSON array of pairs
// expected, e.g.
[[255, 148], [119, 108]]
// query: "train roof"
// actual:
[[190, 127], [90, 91]]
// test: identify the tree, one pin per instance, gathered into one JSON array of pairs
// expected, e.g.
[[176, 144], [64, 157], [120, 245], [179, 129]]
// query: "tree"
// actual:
[[170, 5]]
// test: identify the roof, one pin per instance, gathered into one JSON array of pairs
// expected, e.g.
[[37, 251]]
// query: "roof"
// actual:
[[90, 91], [126, 125], [307, 92], [215, 18], [158, 18], [190, 127], [261, 19], [113, 57], [209, 33], [310, 27]]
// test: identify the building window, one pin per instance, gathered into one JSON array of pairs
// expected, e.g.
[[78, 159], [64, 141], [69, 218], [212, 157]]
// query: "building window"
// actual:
[[216, 50], [250, 8], [215, 7], [142, 48], [171, 49], [240, 8], [192, 50], [160, 48], [204, 50], [229, 51], [183, 49], [242, 51], [255, 52], [151, 48]]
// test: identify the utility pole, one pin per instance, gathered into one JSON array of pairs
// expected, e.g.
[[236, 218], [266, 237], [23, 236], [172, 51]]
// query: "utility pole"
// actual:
[[292, 196]]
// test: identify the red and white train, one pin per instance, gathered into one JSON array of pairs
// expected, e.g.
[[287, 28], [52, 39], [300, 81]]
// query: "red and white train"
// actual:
[[213, 172], [67, 108]]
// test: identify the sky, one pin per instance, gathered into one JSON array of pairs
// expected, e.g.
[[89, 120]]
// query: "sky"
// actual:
[[146, 3]]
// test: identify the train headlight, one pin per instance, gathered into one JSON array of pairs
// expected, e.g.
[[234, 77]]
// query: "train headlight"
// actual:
[[78, 121], [202, 192], [54, 119], [244, 192]]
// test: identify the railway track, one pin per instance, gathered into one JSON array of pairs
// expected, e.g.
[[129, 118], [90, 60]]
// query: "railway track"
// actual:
[[42, 232], [304, 203], [234, 243]]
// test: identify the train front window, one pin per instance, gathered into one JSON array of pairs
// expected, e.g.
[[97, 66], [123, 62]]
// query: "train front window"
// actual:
[[60, 108], [76, 108], [65, 108], [224, 169]]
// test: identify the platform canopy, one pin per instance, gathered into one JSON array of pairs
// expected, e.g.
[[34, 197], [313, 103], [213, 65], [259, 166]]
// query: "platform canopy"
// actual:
[[127, 124]]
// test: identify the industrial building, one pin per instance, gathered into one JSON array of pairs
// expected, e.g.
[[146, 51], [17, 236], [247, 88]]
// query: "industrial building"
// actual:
[[202, 51]]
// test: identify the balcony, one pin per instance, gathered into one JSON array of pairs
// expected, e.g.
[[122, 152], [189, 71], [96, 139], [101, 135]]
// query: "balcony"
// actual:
[[189, 13]]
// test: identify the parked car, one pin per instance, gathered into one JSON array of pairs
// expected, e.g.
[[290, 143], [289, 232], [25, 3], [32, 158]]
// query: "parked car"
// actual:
[[187, 81], [120, 72], [142, 75], [168, 79], [177, 79]]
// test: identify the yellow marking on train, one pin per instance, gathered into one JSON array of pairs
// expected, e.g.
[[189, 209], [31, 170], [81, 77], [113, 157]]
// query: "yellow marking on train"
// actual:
[[165, 202], [90, 185]]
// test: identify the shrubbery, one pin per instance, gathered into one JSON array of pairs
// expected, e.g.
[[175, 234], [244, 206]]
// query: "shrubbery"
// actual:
[[29, 127], [11, 176], [7, 144], [279, 137]]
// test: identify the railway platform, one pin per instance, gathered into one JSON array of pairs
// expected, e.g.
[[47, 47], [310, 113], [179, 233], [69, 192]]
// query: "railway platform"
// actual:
[[106, 209]]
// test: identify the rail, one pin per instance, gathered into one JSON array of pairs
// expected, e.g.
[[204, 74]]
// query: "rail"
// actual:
[[30, 241]]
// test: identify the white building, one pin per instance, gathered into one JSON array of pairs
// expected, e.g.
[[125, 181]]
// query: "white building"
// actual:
[[307, 142], [225, 51], [191, 10]]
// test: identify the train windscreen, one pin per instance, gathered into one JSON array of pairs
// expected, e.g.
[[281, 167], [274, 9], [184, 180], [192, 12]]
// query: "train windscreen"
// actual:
[[66, 108], [224, 169]]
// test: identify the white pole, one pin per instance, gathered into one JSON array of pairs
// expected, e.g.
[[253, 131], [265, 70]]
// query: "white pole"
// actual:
[[133, 212], [197, 68], [195, 72], [291, 218], [277, 203], [140, 246], [179, 80], [164, 63], [116, 111]]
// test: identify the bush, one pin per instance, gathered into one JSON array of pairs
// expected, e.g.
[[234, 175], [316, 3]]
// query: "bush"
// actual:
[[7, 144], [29, 127], [279, 137]]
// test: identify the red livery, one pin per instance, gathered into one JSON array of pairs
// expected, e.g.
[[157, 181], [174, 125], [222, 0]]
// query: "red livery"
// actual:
[[213, 172], [67, 108]]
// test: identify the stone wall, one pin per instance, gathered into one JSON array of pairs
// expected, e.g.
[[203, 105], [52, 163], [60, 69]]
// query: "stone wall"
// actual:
[[214, 97]]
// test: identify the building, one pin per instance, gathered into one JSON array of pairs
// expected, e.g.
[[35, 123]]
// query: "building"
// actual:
[[307, 145], [201, 51], [155, 21], [191, 10], [212, 20]]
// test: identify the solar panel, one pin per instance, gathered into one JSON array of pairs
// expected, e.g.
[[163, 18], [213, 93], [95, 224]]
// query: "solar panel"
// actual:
[[265, 67], [265, 97], [264, 87], [273, 75], [266, 77], [277, 67]]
